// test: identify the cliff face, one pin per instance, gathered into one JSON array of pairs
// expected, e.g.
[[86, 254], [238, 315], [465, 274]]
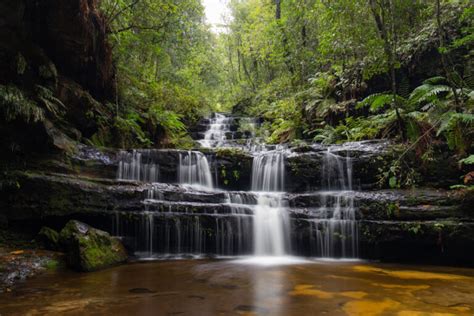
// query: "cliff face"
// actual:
[[74, 35], [70, 34], [61, 46]]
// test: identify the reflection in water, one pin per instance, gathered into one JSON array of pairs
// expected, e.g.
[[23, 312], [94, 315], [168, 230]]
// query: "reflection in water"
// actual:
[[206, 287], [268, 290]]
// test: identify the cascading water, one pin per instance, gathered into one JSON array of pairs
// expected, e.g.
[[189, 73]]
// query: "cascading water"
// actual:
[[131, 167], [194, 169], [336, 231], [193, 218], [223, 130], [218, 129], [271, 222]]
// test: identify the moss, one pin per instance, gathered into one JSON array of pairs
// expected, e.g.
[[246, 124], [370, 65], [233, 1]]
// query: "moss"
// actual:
[[52, 264], [231, 152], [49, 238], [393, 210], [90, 249]]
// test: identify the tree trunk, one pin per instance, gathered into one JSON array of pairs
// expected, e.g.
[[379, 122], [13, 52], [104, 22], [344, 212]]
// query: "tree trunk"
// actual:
[[444, 62]]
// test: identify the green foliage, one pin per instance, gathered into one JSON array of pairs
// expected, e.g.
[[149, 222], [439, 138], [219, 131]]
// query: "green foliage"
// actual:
[[378, 101], [130, 128], [468, 160], [167, 69], [32, 107], [15, 104]]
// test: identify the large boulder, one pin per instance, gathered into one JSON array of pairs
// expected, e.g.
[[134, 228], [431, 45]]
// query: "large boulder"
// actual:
[[90, 249]]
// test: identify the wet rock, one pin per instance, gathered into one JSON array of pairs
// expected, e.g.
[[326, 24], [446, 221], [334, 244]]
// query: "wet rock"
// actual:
[[369, 159], [49, 238], [18, 265], [234, 169], [38, 195], [441, 241], [90, 249]]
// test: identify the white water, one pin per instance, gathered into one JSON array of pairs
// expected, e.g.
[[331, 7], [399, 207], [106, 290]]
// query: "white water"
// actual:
[[194, 170], [131, 167], [215, 136], [336, 232], [271, 221], [268, 171]]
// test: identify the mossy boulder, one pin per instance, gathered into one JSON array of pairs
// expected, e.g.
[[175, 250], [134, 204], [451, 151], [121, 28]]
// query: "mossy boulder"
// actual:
[[90, 249], [49, 238]]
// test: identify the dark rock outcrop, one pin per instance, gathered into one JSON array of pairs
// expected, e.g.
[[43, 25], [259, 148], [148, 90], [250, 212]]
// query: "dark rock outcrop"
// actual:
[[54, 36], [49, 238], [60, 49]]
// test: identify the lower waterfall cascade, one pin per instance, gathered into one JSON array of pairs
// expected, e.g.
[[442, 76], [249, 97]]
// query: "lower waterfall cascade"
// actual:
[[193, 216]]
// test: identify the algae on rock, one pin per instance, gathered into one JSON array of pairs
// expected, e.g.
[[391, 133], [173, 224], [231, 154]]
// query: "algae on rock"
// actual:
[[90, 249]]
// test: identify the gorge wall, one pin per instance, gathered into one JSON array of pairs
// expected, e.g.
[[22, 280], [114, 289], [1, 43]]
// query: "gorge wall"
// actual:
[[61, 47]]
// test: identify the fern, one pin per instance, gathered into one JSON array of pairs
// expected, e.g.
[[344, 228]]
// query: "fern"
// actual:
[[52, 104], [404, 87], [169, 120], [435, 80], [130, 126], [428, 93], [377, 101], [468, 160], [16, 105], [457, 129]]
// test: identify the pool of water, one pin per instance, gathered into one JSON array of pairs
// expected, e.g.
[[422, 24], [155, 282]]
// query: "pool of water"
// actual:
[[240, 287]]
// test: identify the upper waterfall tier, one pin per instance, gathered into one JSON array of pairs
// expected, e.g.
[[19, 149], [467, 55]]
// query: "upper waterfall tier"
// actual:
[[223, 130], [235, 169]]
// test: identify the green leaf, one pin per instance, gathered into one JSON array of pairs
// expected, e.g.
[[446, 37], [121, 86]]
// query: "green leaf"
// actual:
[[392, 182]]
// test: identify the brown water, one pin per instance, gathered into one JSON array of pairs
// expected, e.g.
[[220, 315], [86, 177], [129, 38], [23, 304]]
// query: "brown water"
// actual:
[[204, 287]]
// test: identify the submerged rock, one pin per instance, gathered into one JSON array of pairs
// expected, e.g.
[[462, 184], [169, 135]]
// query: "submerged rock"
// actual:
[[90, 249]]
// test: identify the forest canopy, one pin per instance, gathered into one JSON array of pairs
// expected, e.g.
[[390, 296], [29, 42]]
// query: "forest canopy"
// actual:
[[310, 70], [325, 70]]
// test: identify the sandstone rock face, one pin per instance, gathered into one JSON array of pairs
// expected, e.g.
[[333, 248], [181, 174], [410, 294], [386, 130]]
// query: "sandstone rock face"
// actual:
[[51, 36], [61, 47], [74, 35], [89, 249]]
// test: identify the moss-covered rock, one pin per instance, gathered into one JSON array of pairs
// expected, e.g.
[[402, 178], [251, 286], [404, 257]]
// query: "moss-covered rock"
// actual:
[[49, 238], [90, 249]]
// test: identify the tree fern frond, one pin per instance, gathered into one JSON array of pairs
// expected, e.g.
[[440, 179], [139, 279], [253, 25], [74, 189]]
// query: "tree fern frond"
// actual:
[[468, 160], [427, 93], [376, 101], [404, 87], [52, 104], [435, 80], [15, 104]]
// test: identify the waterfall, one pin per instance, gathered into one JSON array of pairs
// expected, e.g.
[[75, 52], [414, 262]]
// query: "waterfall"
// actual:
[[271, 221], [223, 130], [216, 134], [268, 171], [131, 167], [194, 169], [336, 229], [194, 218]]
